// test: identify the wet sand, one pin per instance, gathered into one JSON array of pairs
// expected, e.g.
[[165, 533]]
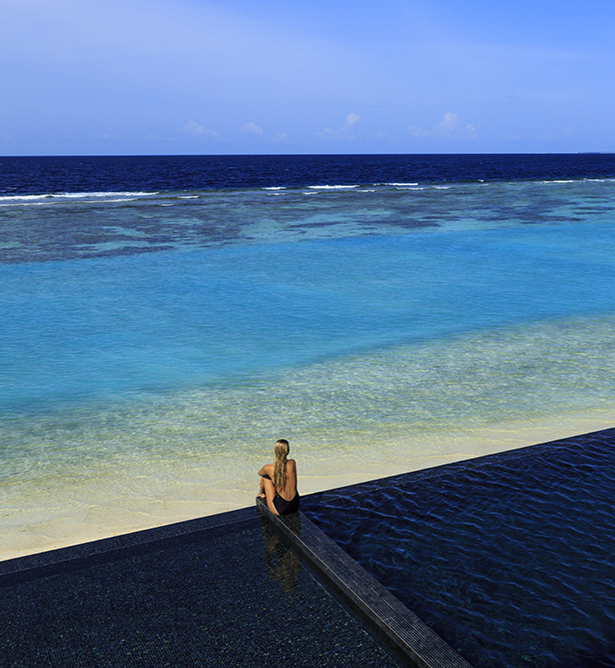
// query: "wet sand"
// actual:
[[70, 511]]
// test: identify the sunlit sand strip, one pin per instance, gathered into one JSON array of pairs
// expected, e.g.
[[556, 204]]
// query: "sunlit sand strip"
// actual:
[[68, 512]]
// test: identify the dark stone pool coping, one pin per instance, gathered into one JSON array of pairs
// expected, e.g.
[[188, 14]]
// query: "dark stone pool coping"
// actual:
[[409, 634], [124, 542]]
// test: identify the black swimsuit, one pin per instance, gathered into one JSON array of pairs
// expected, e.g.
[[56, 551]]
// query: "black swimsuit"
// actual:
[[285, 507]]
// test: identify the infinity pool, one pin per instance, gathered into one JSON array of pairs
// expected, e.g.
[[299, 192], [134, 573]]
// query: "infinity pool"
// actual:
[[509, 558]]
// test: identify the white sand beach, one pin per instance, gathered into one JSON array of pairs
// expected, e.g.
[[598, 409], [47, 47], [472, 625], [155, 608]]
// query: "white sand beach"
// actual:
[[76, 509]]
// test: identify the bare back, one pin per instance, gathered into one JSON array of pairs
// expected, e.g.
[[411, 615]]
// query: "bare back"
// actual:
[[289, 491], [290, 488]]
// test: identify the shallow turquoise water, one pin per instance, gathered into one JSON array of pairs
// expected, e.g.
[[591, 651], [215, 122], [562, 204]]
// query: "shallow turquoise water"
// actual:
[[84, 330]]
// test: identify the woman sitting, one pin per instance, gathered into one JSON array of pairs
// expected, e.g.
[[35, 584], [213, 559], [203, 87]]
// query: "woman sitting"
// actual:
[[279, 481]]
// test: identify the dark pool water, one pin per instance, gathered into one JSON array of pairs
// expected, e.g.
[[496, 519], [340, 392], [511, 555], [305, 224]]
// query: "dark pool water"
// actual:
[[233, 595], [509, 558]]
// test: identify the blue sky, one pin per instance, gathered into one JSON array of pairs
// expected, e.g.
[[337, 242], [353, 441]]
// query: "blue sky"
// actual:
[[89, 77]]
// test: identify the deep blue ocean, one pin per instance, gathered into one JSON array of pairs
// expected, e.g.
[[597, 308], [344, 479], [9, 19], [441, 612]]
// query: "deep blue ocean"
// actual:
[[165, 319], [34, 175]]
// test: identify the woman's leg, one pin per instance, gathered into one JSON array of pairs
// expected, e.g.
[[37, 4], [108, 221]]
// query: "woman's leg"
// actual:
[[267, 491]]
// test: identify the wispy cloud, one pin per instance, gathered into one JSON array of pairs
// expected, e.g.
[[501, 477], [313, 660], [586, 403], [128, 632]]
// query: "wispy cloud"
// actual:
[[449, 126], [193, 126], [252, 128], [344, 131]]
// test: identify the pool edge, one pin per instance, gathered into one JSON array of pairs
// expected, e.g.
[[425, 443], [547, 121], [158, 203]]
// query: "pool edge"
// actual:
[[408, 633], [123, 541]]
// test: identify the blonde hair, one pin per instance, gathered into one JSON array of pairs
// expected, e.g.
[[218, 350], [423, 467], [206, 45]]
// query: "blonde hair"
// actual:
[[280, 453]]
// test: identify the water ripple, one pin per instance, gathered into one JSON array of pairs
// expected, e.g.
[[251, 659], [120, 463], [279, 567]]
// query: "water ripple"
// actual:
[[509, 558]]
